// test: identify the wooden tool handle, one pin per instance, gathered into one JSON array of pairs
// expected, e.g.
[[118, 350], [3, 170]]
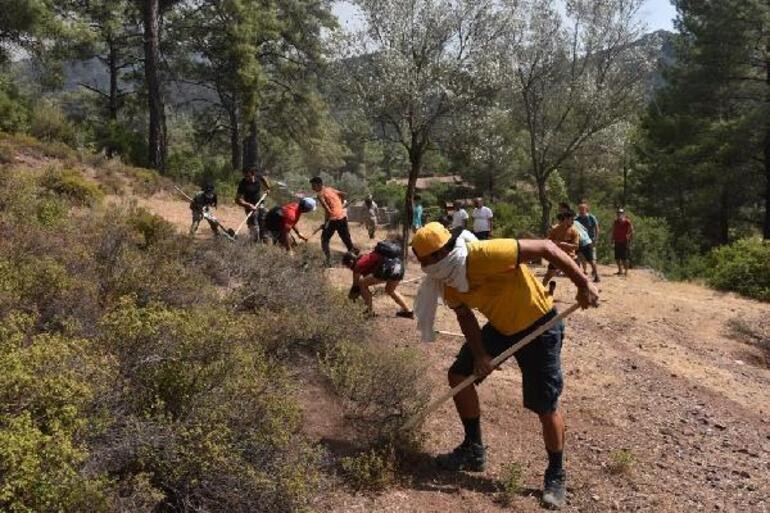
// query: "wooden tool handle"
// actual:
[[495, 363]]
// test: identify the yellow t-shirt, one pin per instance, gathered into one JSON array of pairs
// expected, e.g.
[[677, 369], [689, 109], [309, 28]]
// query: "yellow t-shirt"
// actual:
[[506, 292]]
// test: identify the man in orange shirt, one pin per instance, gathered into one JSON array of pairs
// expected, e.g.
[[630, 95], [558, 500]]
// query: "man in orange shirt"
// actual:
[[336, 217], [566, 238]]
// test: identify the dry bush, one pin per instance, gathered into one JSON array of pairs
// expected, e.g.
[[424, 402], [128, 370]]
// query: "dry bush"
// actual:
[[70, 184]]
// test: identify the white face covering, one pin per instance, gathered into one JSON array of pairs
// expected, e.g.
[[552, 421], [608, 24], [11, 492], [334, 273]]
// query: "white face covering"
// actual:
[[452, 271]]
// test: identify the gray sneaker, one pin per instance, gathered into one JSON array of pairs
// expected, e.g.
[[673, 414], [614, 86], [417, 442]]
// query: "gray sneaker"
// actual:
[[555, 491], [466, 456]]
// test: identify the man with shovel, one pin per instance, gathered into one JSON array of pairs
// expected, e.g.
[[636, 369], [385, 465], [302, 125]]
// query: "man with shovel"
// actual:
[[200, 204], [489, 276], [248, 195]]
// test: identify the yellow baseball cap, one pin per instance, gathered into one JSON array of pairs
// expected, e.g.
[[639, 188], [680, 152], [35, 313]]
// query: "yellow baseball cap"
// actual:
[[430, 238]]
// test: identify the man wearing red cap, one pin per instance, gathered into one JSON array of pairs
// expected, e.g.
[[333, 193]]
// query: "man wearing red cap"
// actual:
[[490, 276]]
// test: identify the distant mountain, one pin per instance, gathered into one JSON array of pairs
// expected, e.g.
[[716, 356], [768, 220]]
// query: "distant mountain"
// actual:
[[658, 45]]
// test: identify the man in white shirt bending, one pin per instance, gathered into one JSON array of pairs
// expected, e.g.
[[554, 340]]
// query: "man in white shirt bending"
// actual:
[[460, 216], [482, 220]]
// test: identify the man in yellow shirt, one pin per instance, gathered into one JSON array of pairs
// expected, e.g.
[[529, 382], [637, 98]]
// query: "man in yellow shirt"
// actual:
[[489, 276]]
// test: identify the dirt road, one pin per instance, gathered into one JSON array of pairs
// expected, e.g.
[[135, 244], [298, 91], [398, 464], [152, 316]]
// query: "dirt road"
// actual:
[[667, 411]]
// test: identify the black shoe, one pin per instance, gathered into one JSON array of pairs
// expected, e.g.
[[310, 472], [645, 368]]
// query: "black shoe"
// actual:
[[555, 490], [551, 287], [405, 314], [466, 456]]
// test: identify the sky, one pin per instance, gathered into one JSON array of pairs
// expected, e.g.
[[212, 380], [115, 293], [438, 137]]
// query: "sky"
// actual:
[[657, 14]]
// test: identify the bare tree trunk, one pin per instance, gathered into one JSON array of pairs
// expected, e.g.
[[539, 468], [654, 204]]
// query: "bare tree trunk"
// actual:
[[624, 199], [766, 226], [545, 204], [415, 159], [251, 147], [236, 148], [157, 131], [112, 60], [723, 237]]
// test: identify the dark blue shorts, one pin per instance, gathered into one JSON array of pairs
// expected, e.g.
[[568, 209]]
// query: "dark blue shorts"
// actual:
[[539, 362]]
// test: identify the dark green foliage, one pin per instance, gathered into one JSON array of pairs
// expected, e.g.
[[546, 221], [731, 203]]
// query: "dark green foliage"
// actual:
[[14, 111], [702, 146], [49, 123], [743, 266]]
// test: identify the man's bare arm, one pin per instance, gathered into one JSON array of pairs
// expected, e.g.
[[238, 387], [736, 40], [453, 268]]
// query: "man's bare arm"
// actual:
[[534, 249], [469, 325]]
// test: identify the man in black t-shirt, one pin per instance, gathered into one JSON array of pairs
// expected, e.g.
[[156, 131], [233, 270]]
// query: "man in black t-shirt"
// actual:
[[247, 196]]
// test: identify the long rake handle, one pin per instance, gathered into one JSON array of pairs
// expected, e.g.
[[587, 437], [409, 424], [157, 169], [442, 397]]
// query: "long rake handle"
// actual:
[[495, 363], [180, 191], [251, 213]]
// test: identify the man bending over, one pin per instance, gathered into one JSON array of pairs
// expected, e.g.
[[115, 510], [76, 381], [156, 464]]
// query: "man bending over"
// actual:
[[489, 276]]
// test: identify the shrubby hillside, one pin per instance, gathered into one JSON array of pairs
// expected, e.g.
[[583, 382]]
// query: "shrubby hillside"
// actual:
[[140, 371]]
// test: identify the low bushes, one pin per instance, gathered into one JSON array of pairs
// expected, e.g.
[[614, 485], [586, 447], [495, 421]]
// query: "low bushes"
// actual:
[[70, 184], [743, 267], [140, 371]]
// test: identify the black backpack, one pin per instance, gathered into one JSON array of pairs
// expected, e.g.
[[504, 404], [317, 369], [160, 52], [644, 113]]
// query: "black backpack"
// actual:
[[388, 249]]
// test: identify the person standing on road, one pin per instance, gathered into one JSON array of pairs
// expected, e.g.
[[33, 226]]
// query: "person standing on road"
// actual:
[[336, 217], [371, 216], [489, 276], [622, 232], [482, 220], [418, 212], [459, 217], [248, 194], [591, 225]]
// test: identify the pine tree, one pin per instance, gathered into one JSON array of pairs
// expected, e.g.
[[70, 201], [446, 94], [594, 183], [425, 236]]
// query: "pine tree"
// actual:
[[706, 135]]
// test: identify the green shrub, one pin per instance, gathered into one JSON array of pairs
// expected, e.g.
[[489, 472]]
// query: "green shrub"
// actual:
[[370, 470], [382, 389], [511, 482], [743, 267], [71, 185], [14, 111], [51, 212], [144, 182], [621, 462], [514, 221], [7, 153], [49, 123], [29, 145], [652, 245], [46, 385], [210, 416], [152, 228]]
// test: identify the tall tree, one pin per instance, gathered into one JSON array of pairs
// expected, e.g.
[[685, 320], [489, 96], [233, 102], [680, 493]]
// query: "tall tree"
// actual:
[[417, 64], [260, 58], [114, 42], [157, 139], [574, 73], [706, 135]]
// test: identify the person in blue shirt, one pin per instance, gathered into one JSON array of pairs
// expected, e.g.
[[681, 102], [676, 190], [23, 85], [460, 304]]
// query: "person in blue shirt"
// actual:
[[417, 216]]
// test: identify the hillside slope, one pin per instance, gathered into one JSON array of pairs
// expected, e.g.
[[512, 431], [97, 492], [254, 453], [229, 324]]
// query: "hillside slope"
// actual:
[[662, 371], [658, 370]]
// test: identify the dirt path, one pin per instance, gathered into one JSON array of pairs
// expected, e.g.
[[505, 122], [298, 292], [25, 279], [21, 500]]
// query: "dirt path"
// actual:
[[653, 372]]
